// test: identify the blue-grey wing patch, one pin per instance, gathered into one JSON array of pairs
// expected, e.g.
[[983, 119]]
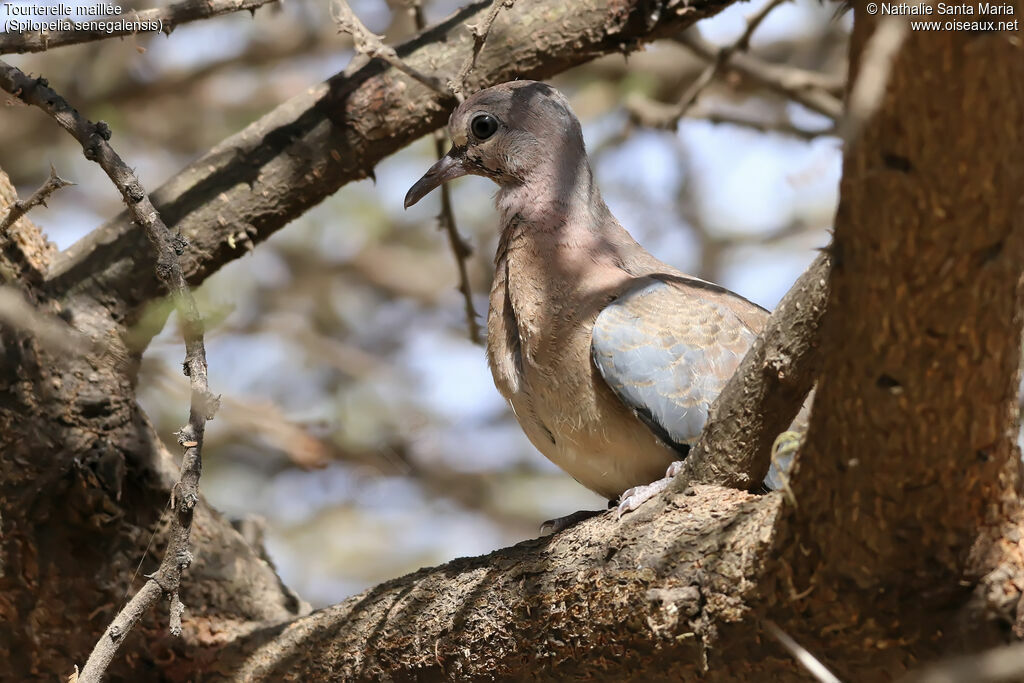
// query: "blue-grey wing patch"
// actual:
[[666, 351]]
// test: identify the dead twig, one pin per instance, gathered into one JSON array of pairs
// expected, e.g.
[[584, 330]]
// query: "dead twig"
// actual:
[[724, 55], [671, 115], [370, 44], [20, 208], [811, 89], [808, 661], [460, 247], [19, 258], [808, 88], [480, 32], [94, 139], [654, 114], [778, 126], [164, 19]]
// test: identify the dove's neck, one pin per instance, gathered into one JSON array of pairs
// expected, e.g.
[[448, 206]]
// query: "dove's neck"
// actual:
[[560, 225], [556, 202]]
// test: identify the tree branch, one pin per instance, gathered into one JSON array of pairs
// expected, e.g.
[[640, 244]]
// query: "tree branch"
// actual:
[[461, 249], [589, 603], [255, 182], [164, 19], [801, 86], [910, 462], [20, 208], [21, 266], [764, 395], [722, 58], [370, 44], [480, 33], [763, 126], [655, 114], [876, 63], [94, 140]]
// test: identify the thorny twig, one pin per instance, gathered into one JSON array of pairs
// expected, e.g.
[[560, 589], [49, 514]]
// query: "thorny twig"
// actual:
[[480, 32], [20, 208], [460, 248], [166, 18], [94, 139], [16, 263], [368, 43], [724, 55]]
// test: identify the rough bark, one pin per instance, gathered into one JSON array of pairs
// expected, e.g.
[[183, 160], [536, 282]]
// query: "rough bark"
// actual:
[[923, 331], [638, 600]]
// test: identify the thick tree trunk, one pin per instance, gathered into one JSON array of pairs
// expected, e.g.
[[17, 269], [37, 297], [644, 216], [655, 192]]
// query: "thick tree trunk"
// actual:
[[911, 465]]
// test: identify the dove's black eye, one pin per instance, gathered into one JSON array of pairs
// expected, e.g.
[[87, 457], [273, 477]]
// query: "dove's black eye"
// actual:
[[483, 126]]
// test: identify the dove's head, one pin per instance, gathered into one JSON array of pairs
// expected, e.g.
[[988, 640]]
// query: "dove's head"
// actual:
[[515, 133]]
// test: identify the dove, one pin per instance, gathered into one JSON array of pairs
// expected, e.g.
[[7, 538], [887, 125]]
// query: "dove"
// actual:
[[609, 358]]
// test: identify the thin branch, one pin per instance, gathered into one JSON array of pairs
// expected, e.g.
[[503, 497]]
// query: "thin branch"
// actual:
[[164, 19], [94, 140], [370, 44], [20, 208], [480, 32], [807, 88], [20, 258], [808, 661], [780, 127], [651, 113], [670, 117], [724, 55], [460, 247]]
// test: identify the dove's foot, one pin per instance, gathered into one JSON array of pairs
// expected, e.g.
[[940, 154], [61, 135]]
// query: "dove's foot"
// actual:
[[633, 498], [557, 524]]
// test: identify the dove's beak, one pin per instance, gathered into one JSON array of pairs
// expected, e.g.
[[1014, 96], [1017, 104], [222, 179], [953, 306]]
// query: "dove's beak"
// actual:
[[447, 167]]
